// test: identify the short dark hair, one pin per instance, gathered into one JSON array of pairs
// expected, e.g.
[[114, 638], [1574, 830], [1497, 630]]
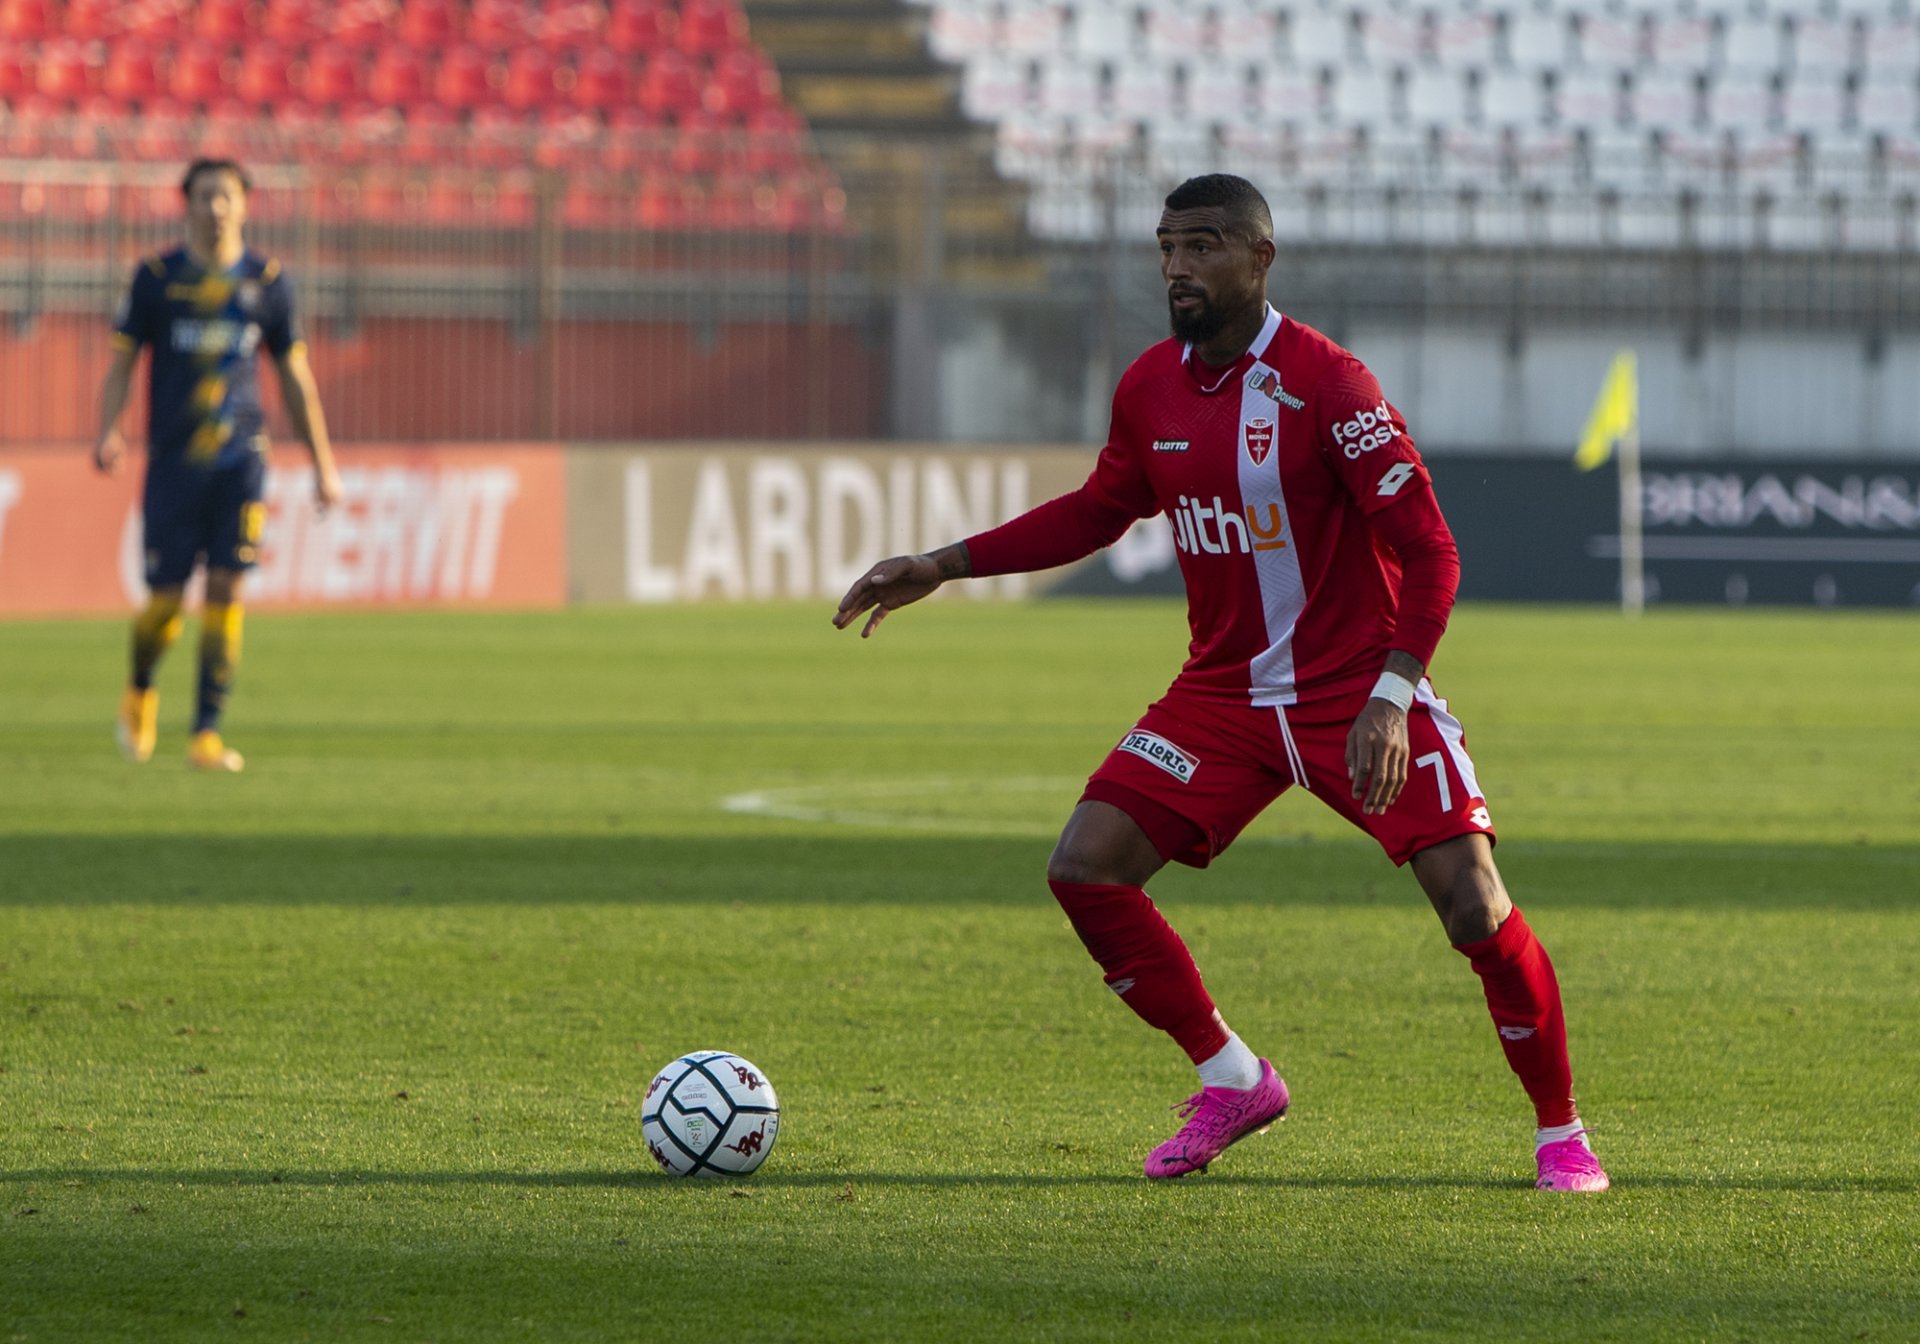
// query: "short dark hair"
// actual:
[[1245, 208], [199, 166]]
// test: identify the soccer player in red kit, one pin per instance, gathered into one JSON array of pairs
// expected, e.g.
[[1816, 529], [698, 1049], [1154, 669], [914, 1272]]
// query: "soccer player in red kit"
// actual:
[[1320, 575]]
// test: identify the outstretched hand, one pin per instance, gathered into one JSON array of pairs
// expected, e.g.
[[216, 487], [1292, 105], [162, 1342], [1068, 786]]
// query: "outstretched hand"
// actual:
[[886, 587]]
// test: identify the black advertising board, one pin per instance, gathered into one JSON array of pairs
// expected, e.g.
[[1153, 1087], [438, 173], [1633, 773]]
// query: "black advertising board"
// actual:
[[1805, 532]]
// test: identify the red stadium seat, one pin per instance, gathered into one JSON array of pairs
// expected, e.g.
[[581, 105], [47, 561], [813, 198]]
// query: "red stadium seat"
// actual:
[[464, 79], [569, 24], [266, 76], [704, 142], [708, 26], [26, 130], [776, 139], [89, 19], [590, 204], [504, 200], [161, 21], [334, 76], [637, 140], [370, 134], [397, 79], [65, 73], [132, 73], [303, 133], [742, 82], [569, 138], [668, 202], [428, 25], [359, 23], [530, 79], [202, 72], [735, 206], [27, 20], [432, 135], [503, 25], [603, 81], [230, 130], [19, 67], [225, 21], [499, 137], [164, 133], [640, 25], [671, 84], [293, 23]]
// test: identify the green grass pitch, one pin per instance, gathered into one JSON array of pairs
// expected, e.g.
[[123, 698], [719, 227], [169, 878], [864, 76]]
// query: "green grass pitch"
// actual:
[[352, 1046]]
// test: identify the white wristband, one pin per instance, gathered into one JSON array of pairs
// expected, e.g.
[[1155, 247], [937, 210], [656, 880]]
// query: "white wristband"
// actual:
[[1395, 689]]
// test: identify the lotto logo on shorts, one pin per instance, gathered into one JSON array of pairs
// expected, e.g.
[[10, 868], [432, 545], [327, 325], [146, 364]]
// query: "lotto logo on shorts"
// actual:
[[1153, 747]]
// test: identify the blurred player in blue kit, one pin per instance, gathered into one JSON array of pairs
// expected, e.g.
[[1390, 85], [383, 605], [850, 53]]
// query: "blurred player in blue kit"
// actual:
[[205, 308]]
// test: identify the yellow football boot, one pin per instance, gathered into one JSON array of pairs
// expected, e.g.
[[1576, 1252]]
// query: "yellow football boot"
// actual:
[[208, 752], [138, 725]]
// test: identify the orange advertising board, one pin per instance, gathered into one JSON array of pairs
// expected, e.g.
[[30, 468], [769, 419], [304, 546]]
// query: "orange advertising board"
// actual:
[[416, 525]]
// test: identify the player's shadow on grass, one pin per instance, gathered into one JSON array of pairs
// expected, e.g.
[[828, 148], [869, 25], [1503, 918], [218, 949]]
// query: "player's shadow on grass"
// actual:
[[838, 1182]]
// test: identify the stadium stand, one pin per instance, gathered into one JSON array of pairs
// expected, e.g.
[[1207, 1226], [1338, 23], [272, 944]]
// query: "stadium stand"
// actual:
[[453, 91], [1698, 122]]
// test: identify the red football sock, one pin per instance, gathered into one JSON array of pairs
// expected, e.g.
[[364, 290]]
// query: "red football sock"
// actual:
[[1145, 962], [1524, 998]]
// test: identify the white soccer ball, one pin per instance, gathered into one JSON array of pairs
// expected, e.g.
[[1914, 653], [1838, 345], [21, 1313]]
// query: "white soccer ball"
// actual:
[[710, 1113]]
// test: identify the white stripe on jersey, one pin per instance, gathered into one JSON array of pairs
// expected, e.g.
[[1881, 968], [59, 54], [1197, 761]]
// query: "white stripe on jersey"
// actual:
[[1452, 734], [1283, 592]]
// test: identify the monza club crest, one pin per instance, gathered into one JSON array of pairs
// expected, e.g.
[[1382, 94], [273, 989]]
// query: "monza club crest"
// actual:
[[1258, 435]]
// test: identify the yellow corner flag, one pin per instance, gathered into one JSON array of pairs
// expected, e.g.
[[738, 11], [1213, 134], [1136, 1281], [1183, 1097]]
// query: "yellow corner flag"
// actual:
[[1616, 413]]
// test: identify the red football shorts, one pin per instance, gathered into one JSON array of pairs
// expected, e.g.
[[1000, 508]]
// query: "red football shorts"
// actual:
[[1193, 772]]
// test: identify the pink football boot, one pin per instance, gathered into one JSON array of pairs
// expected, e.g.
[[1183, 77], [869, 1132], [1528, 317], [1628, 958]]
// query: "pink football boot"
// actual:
[[1569, 1165], [1217, 1118]]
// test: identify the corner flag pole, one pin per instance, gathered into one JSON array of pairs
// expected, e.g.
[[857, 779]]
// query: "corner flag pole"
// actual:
[[1615, 422], [1633, 578]]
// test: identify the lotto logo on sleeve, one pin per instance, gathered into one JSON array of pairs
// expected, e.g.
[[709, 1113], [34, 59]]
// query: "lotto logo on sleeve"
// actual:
[[1366, 431], [1152, 747]]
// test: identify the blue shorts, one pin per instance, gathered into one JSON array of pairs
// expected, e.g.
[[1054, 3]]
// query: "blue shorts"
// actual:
[[189, 512]]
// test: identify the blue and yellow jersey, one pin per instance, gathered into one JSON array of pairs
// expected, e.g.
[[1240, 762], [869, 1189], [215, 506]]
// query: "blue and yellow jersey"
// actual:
[[206, 329]]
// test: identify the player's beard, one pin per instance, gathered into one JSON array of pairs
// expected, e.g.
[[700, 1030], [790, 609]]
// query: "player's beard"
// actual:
[[1198, 325]]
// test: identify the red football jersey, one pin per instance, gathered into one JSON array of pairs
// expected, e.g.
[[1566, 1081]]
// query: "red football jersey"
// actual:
[[1269, 472]]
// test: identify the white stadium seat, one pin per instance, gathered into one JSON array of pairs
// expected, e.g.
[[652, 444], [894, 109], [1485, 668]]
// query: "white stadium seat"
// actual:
[[1887, 104], [1318, 37], [1249, 31], [1752, 42], [1175, 34], [1813, 101], [1100, 31], [960, 29], [1221, 90], [1824, 44], [1608, 42], [1293, 97], [1659, 97], [1588, 98], [1682, 42], [1465, 40], [1069, 87], [1033, 28], [1512, 98], [995, 85], [1434, 98], [1363, 97], [1892, 46], [1392, 37], [1141, 90], [1744, 99], [1537, 40]]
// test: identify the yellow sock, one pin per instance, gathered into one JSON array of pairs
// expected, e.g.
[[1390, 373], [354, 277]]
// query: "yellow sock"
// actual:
[[154, 630], [220, 628]]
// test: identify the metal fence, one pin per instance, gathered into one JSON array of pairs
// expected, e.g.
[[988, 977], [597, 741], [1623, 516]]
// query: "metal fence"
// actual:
[[920, 292]]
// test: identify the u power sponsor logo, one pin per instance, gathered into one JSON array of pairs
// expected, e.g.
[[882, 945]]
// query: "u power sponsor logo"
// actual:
[[1152, 747], [1267, 383], [1366, 431], [1201, 529]]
